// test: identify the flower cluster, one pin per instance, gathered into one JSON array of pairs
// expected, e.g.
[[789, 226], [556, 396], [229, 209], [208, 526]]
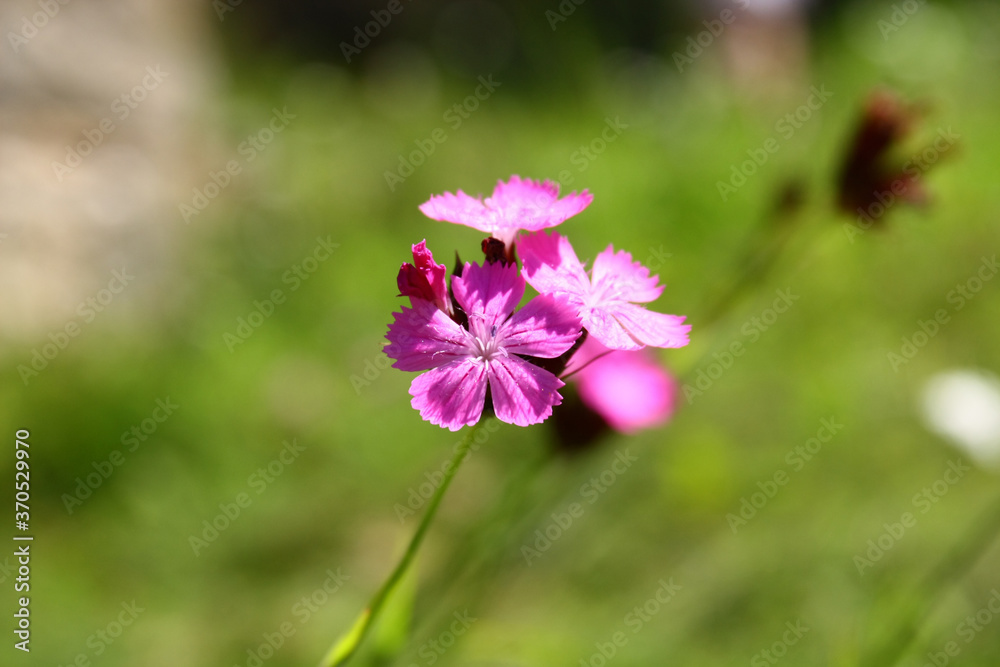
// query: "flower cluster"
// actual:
[[480, 351]]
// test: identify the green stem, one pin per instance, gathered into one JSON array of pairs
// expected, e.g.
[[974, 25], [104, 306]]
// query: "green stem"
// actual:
[[348, 644], [958, 562]]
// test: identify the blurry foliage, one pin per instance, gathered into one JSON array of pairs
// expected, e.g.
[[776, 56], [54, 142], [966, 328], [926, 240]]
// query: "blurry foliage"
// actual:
[[655, 187]]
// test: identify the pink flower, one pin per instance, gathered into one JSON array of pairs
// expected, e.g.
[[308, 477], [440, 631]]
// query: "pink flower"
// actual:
[[607, 298], [628, 389], [515, 205], [463, 362], [424, 279]]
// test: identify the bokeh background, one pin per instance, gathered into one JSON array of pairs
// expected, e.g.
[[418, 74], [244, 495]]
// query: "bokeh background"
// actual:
[[118, 118]]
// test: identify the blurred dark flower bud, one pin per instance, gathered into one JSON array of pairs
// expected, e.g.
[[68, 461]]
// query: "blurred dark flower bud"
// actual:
[[873, 176]]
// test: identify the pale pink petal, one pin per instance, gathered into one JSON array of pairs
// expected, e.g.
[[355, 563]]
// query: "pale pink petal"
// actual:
[[523, 394], [564, 209], [516, 204], [424, 279], [550, 265], [451, 396], [546, 326], [650, 328], [533, 205], [601, 325], [629, 390], [615, 275], [423, 337], [488, 293], [461, 209]]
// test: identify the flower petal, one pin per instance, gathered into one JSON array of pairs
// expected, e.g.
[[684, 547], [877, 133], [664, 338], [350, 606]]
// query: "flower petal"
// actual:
[[423, 337], [516, 204], [488, 293], [602, 326], [616, 275], [546, 326], [614, 322], [628, 389], [461, 209], [523, 394], [551, 265], [451, 396], [424, 279], [533, 205]]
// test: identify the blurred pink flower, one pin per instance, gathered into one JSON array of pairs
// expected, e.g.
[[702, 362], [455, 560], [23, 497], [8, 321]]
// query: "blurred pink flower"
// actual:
[[607, 298], [515, 205], [628, 389], [463, 362]]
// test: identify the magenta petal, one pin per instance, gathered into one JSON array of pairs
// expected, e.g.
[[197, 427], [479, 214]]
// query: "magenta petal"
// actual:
[[424, 279], [651, 328], [523, 394], [615, 274], [461, 209], [551, 265], [628, 389], [423, 337], [451, 396], [488, 293], [546, 326]]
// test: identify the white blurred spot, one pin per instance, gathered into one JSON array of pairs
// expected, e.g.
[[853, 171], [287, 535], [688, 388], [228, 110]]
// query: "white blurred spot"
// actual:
[[964, 407]]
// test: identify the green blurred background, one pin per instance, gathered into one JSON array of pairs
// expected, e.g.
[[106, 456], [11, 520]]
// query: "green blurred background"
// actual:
[[312, 371]]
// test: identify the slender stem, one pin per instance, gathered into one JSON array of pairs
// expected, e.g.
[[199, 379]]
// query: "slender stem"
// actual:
[[958, 562], [348, 644], [573, 372]]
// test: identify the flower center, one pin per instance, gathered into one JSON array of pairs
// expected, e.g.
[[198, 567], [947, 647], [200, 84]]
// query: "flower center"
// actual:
[[483, 342]]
